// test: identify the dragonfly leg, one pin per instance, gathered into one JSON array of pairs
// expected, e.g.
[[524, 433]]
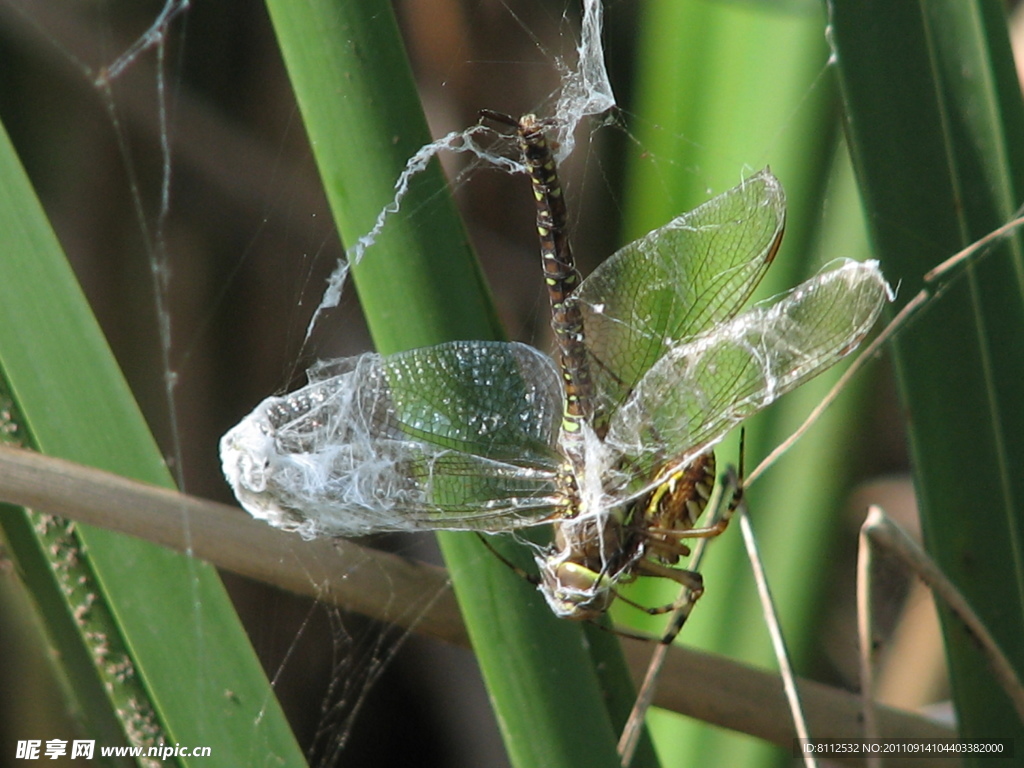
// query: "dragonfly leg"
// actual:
[[663, 550], [674, 507], [691, 580], [531, 578], [731, 500]]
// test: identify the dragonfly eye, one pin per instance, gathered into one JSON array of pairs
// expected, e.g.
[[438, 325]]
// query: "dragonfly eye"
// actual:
[[574, 591]]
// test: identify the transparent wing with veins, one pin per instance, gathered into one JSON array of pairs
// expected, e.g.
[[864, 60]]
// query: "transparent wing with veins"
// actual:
[[699, 390], [456, 436], [675, 283]]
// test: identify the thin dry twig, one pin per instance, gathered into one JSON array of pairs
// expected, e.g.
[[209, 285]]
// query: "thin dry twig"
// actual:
[[865, 637], [771, 620], [883, 532]]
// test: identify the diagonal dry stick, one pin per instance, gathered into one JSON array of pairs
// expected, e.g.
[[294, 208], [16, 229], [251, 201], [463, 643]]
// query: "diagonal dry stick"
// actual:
[[392, 588]]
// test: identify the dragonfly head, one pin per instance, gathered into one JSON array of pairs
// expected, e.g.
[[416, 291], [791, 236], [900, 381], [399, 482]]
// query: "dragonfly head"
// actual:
[[572, 590], [250, 460]]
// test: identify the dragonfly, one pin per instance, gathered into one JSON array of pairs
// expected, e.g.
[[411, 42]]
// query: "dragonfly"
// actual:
[[612, 444]]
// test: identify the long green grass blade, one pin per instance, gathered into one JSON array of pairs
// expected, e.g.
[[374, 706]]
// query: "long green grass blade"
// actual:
[[934, 116], [147, 638], [421, 285]]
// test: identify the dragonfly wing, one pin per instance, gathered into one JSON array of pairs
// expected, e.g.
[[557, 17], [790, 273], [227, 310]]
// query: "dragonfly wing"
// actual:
[[456, 436], [701, 389], [678, 282]]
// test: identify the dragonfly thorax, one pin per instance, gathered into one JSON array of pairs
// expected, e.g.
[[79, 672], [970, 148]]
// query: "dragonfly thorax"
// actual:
[[607, 543], [589, 476]]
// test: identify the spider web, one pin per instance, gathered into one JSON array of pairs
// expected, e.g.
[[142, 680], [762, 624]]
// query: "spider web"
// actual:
[[189, 204]]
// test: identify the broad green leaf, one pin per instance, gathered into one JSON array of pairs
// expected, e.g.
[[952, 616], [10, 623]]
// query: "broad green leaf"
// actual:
[[362, 141], [934, 117], [147, 638]]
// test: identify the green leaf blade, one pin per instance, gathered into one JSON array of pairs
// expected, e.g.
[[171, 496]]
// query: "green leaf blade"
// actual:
[[420, 285], [938, 173], [74, 403]]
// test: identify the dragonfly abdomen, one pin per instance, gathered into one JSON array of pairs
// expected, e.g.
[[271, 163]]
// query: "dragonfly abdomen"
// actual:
[[560, 274]]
